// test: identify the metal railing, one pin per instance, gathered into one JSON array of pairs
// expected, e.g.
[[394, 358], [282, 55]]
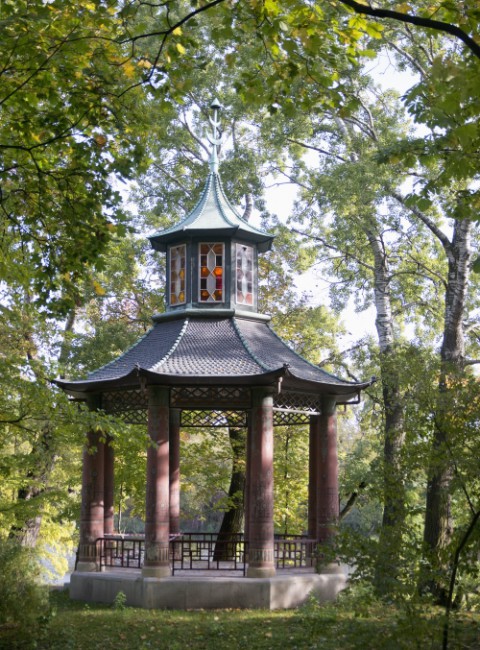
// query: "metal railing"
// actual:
[[294, 551], [203, 552], [208, 551], [121, 551]]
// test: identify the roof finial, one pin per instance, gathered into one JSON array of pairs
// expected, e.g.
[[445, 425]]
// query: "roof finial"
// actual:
[[215, 139]]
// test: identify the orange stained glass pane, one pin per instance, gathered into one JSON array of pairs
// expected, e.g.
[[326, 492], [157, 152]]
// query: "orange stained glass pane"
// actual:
[[181, 296], [173, 298], [218, 271], [218, 248], [204, 248], [204, 272], [249, 299], [204, 294], [218, 294], [182, 273]]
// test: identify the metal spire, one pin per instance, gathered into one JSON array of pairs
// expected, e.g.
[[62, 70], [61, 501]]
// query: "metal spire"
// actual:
[[215, 139]]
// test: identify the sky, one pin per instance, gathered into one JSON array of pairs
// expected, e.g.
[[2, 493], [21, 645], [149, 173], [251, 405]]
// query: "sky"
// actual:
[[280, 199]]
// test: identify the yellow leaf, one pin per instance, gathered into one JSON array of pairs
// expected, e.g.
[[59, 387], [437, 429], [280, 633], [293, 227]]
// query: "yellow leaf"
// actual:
[[177, 31], [143, 63], [180, 48], [99, 290], [129, 69]]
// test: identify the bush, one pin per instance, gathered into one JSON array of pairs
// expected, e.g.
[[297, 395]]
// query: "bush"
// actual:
[[24, 602]]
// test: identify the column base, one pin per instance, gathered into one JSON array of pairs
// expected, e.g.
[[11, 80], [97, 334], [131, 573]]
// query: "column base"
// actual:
[[163, 571], [260, 571], [84, 567]]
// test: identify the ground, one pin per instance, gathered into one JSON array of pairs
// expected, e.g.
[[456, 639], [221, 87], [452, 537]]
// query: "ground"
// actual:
[[351, 623]]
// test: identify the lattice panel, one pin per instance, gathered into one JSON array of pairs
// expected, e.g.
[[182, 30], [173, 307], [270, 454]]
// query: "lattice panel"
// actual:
[[213, 418], [210, 396], [298, 402], [130, 405], [289, 418]]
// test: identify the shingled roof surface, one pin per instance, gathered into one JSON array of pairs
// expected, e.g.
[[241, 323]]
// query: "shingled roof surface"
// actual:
[[213, 212], [208, 348]]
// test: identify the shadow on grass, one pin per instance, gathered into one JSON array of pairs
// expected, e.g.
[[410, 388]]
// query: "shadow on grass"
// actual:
[[78, 626]]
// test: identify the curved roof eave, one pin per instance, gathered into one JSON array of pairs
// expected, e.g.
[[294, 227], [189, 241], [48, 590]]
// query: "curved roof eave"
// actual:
[[213, 214], [141, 377]]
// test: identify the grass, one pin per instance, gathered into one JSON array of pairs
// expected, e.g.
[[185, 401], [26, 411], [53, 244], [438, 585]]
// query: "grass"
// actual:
[[349, 624]]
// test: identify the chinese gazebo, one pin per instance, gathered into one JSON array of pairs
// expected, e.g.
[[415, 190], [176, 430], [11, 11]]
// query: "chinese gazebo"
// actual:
[[210, 359]]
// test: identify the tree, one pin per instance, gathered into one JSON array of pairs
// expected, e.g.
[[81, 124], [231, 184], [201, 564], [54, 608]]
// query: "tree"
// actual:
[[65, 132]]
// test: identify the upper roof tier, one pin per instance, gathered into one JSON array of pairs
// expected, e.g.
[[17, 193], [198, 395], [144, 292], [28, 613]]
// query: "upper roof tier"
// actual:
[[218, 351], [213, 216]]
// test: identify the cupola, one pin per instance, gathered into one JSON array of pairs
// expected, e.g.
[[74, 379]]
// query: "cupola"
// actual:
[[212, 253]]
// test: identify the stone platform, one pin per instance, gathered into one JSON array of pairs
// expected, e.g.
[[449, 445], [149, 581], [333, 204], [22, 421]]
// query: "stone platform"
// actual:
[[285, 590]]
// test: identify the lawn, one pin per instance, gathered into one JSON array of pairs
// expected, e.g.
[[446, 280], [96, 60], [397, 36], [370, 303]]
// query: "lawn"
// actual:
[[351, 623]]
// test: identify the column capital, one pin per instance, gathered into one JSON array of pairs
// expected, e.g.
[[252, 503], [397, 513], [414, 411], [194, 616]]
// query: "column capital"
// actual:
[[329, 404], [94, 401], [261, 393], [158, 395]]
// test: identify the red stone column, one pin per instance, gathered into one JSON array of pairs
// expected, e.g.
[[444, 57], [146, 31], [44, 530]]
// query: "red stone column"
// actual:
[[174, 471], [326, 470], [312, 477], [157, 511], [261, 563], [92, 507], [109, 460], [246, 495]]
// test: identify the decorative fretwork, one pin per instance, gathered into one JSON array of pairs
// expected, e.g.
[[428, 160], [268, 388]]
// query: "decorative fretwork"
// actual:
[[289, 418], [213, 418], [210, 397], [300, 402], [212, 406], [130, 405]]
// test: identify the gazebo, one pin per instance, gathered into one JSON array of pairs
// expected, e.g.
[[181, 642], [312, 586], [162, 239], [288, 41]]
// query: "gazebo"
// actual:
[[211, 359]]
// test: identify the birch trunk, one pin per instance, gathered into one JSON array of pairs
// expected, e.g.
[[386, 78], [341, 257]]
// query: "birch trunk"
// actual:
[[386, 568]]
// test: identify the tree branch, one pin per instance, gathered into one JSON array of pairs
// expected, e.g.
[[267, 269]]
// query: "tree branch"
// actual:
[[318, 149], [419, 21], [351, 501], [431, 225]]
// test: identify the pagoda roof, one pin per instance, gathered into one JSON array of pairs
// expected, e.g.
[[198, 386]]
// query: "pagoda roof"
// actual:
[[213, 216], [213, 350]]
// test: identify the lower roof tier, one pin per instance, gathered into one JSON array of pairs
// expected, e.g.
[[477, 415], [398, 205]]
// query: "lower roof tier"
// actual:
[[212, 351]]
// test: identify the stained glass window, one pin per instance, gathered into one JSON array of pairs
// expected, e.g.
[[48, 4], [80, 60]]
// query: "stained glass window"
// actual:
[[211, 272], [244, 274], [177, 274]]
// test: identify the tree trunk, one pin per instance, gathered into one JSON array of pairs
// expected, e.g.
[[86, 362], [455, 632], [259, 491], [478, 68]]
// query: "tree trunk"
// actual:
[[386, 569], [42, 455], [438, 519], [233, 517], [29, 520]]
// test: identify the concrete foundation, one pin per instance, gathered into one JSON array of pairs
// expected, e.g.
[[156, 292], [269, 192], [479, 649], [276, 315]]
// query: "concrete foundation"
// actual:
[[283, 591]]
